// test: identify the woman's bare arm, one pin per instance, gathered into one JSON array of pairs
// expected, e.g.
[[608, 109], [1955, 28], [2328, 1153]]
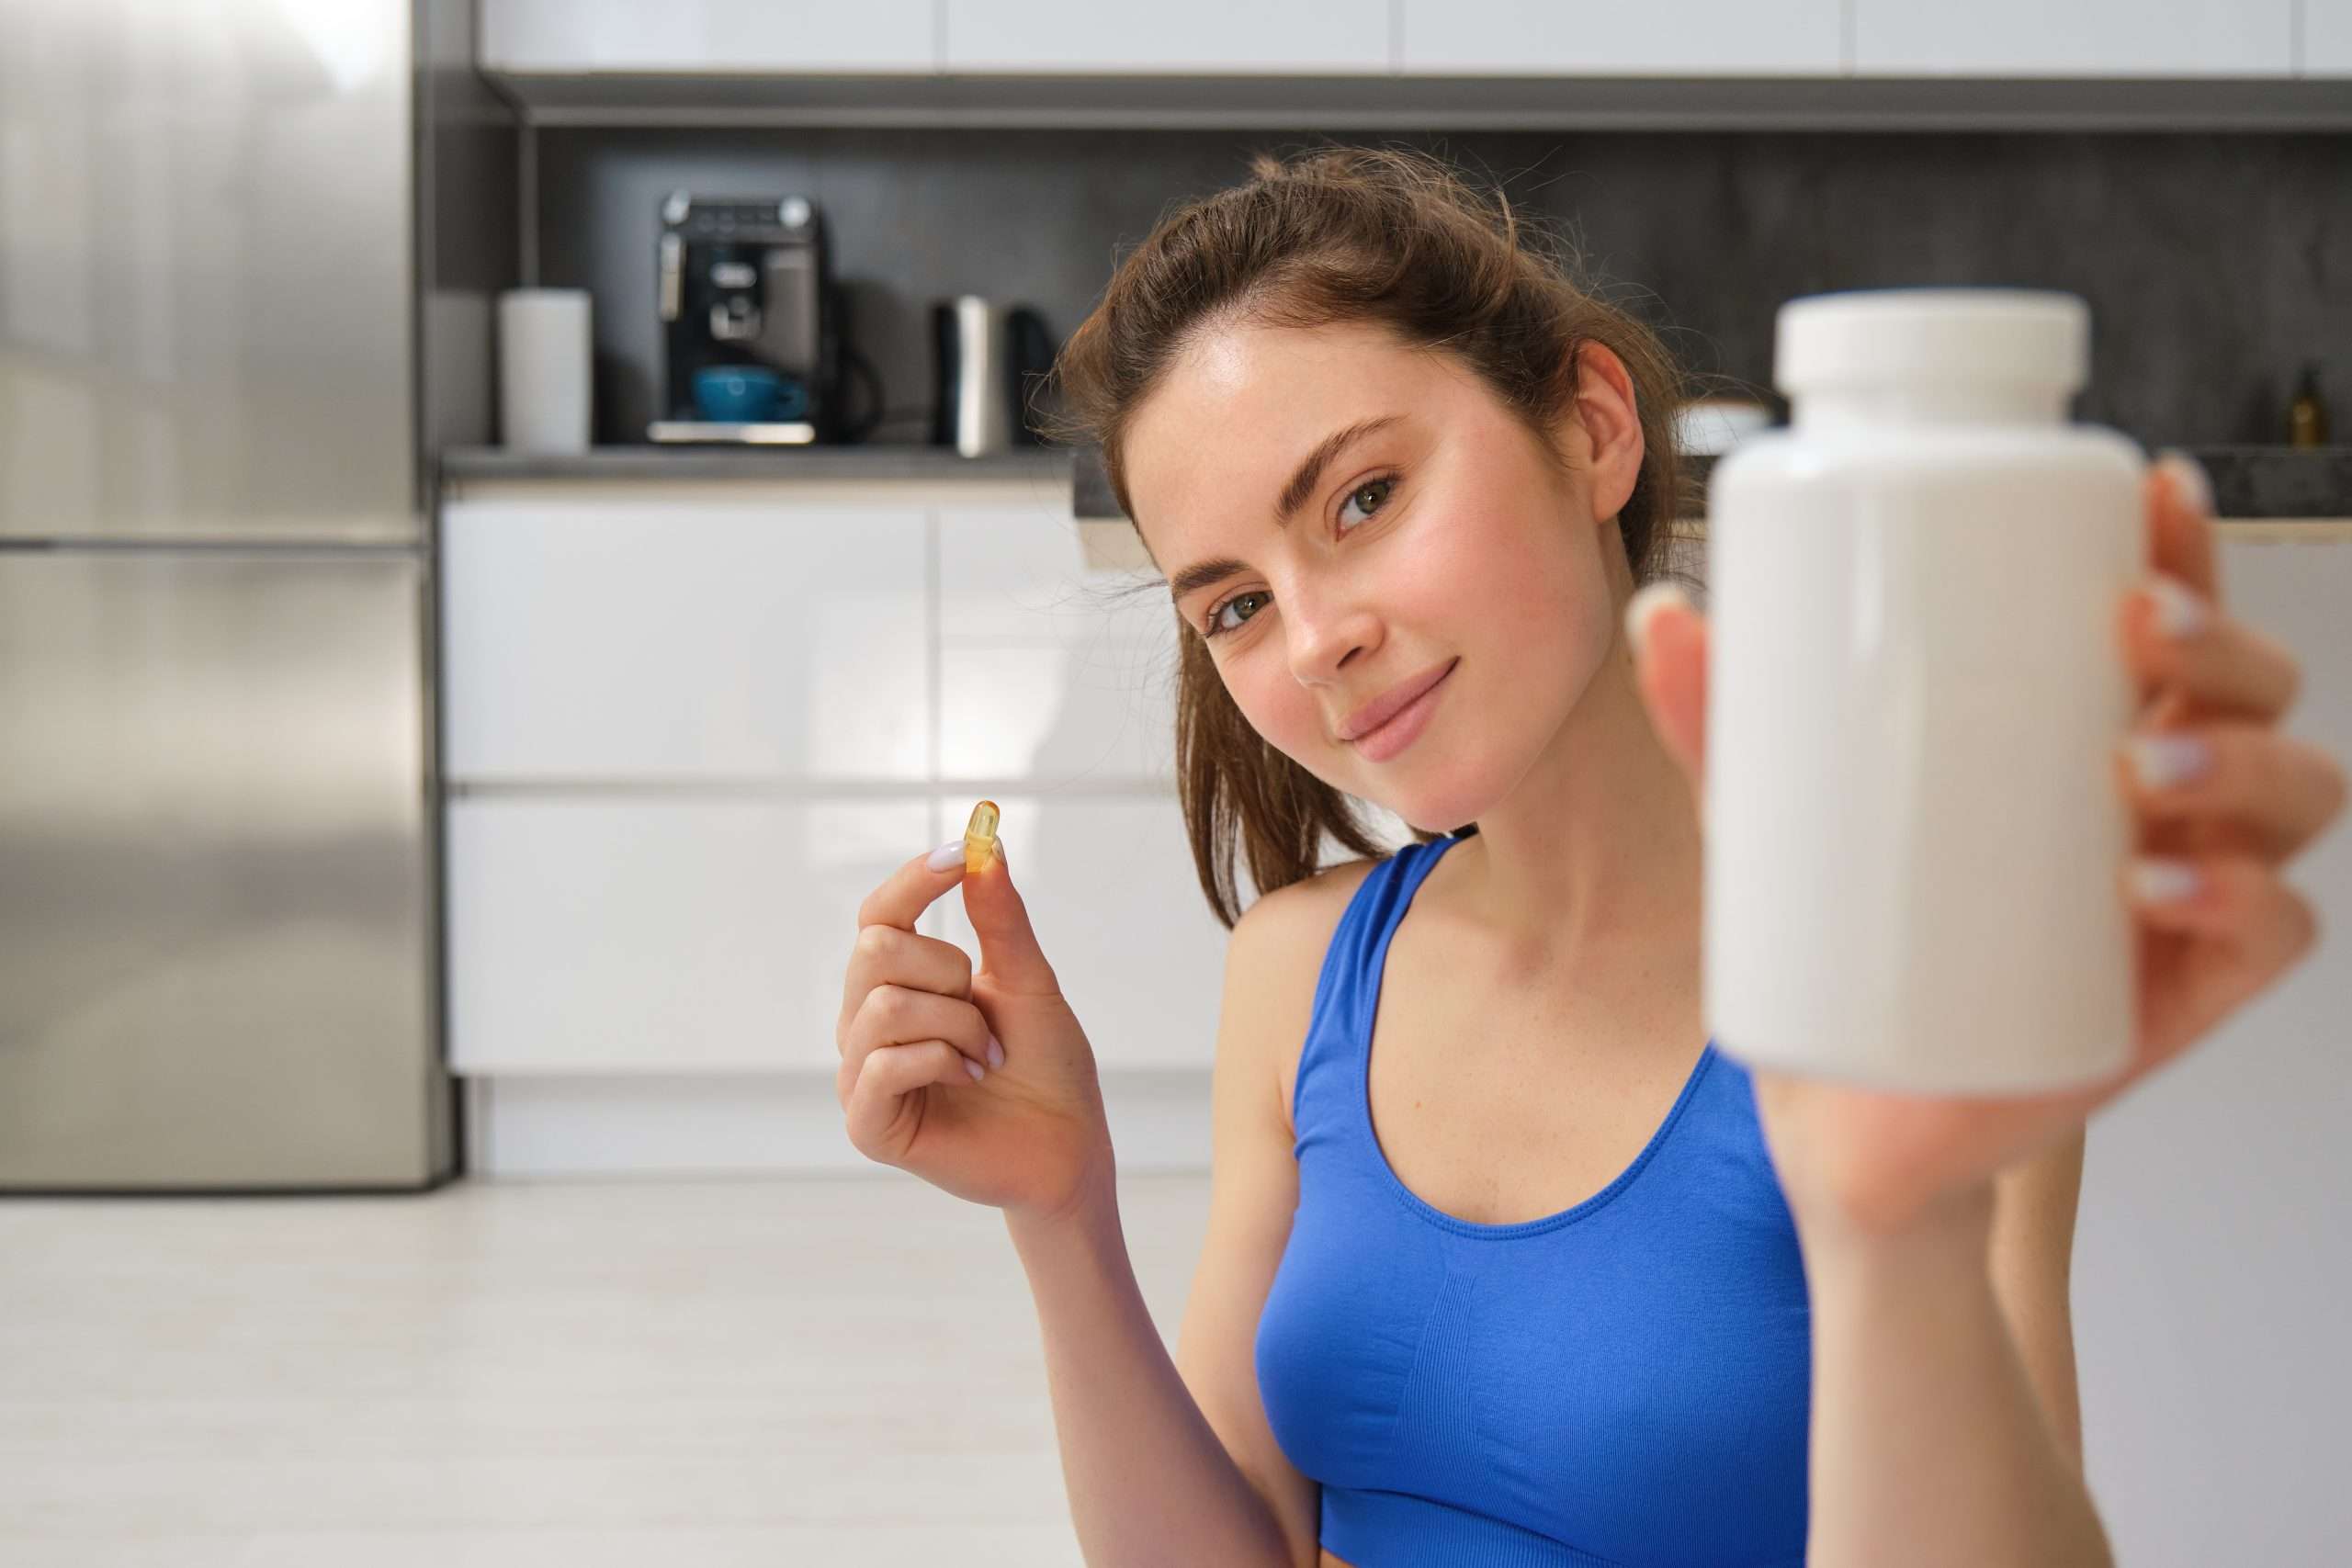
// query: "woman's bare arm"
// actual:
[[1173, 1462], [1928, 1445], [1149, 1484]]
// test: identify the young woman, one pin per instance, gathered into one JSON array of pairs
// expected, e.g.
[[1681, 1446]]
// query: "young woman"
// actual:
[[1507, 1264]]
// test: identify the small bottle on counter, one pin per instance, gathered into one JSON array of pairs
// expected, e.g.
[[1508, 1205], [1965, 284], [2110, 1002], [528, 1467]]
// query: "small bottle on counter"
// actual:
[[2307, 416]]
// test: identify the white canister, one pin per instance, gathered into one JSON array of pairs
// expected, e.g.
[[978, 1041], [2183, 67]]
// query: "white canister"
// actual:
[[1915, 838], [544, 375]]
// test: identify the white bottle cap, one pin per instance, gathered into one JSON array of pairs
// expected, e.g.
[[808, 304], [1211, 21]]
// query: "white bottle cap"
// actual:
[[1932, 336]]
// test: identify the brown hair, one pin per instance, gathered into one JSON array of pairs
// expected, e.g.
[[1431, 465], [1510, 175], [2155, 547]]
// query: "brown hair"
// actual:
[[1390, 236]]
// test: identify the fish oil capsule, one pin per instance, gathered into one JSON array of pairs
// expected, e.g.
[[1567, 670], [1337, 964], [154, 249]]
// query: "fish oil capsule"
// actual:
[[980, 837]]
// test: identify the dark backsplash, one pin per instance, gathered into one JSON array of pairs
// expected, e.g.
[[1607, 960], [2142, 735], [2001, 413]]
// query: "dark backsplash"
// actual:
[[2215, 264]]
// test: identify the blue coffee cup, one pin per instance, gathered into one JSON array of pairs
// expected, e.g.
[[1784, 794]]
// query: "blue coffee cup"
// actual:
[[738, 394]]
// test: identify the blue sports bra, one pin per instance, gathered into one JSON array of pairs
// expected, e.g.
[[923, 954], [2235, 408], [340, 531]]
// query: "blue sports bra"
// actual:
[[1623, 1385]]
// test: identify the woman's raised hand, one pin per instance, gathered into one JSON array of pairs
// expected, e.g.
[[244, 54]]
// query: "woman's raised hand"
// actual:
[[1028, 1136], [1871, 1160]]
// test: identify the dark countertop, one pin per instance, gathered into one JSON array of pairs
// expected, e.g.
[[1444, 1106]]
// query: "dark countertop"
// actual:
[[720, 462], [2248, 481]]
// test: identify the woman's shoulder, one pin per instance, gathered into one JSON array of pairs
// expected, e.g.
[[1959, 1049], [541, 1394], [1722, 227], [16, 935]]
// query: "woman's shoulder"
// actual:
[[1304, 914], [1319, 899], [1296, 923]]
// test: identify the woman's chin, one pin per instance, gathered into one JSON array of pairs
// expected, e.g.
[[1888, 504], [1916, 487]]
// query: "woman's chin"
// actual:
[[1441, 806]]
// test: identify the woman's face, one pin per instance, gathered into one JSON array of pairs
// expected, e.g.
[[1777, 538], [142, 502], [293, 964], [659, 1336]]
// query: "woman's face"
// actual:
[[1437, 536]]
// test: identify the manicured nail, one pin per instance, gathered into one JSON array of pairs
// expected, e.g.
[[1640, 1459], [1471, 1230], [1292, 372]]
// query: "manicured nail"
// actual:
[[977, 1071], [996, 1052], [2165, 881], [2163, 761], [2189, 475], [946, 855], [1643, 605], [2179, 612]]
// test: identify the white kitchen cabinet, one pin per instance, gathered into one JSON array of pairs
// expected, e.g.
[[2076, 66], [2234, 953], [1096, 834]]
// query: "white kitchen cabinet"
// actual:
[[650, 934], [2074, 37], [2327, 37], [1050, 669], [1118, 909], [1667, 37], [1204, 38], [780, 36], [631, 640]]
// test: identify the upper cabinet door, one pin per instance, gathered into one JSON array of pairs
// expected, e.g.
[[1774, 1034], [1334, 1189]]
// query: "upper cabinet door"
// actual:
[[1666, 38], [2074, 37], [1200, 38], [2327, 39], [782, 37]]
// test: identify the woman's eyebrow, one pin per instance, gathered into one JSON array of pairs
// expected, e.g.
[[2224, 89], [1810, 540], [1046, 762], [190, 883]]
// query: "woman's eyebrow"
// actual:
[[1200, 574], [1302, 483]]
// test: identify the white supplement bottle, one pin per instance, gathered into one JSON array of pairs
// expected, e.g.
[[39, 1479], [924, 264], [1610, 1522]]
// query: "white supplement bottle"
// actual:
[[1915, 836]]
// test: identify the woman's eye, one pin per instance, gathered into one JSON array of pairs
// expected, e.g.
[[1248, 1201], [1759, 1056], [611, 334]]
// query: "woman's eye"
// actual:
[[1380, 488], [1216, 626]]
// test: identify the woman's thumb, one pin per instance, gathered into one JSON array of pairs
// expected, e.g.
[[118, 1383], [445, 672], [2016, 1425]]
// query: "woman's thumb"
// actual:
[[1009, 949]]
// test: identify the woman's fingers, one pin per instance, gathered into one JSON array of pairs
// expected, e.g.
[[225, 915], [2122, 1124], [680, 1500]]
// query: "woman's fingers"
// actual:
[[1669, 640], [2283, 789], [2180, 529], [889, 955], [2176, 638], [893, 1017], [2236, 931], [885, 1111]]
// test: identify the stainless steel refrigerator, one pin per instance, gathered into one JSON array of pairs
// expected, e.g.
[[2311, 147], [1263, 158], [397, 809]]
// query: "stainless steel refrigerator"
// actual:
[[217, 858]]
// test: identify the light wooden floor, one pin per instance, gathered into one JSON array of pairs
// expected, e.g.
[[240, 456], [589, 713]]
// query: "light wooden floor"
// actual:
[[772, 1373]]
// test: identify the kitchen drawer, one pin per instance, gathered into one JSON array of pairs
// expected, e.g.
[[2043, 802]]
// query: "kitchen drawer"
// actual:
[[683, 641], [1208, 37], [644, 935], [2074, 37], [1676, 38], [590, 935], [1051, 668]]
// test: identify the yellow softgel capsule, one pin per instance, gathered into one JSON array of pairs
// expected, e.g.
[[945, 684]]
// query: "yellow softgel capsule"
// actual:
[[980, 837]]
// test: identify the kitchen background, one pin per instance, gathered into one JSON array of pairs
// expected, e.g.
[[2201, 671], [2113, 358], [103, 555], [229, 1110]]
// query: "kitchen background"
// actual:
[[427, 855], [2211, 290]]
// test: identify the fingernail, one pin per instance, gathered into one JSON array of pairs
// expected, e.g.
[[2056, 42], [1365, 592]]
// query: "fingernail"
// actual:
[[996, 1052], [977, 1071], [1643, 605], [2158, 881], [950, 853], [2189, 474], [2179, 612], [2163, 761]]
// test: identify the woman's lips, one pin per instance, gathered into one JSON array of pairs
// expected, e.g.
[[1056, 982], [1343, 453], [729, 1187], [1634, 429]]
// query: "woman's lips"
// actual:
[[1390, 703], [1406, 723]]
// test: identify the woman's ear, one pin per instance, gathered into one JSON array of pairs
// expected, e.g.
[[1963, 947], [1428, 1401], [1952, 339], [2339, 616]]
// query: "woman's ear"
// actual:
[[1608, 413]]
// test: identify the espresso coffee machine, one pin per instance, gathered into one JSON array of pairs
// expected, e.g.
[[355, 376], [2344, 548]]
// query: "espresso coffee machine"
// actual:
[[751, 343]]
